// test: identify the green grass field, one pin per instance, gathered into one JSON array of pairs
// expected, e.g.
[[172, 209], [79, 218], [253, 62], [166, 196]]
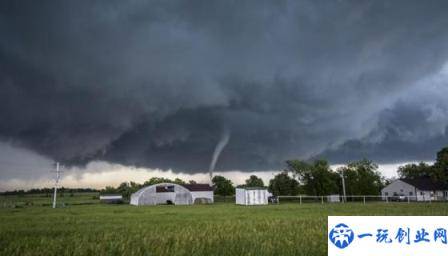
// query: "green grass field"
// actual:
[[218, 229]]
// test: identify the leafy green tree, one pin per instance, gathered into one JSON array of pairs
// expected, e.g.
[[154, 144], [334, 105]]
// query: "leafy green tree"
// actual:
[[362, 178], [413, 171], [317, 177], [127, 188], [179, 181], [223, 186], [254, 181], [440, 168], [156, 180], [109, 190], [284, 185]]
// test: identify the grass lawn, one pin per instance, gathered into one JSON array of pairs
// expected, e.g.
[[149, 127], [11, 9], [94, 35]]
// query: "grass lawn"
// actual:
[[218, 229]]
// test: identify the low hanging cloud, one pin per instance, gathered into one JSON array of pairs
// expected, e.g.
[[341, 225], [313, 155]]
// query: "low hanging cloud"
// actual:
[[413, 128], [155, 83]]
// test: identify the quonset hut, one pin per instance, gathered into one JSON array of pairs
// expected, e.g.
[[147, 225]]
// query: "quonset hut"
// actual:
[[170, 193]]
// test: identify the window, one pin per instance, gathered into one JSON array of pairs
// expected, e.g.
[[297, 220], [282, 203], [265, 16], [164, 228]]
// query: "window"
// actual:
[[162, 189], [421, 193], [386, 193], [410, 193], [401, 190]]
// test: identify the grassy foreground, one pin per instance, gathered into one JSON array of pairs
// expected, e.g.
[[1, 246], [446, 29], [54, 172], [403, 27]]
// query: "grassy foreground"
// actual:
[[218, 229]]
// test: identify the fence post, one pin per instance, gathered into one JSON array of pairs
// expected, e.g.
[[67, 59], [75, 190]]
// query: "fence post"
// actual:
[[387, 199], [364, 199], [322, 199], [300, 199], [409, 200]]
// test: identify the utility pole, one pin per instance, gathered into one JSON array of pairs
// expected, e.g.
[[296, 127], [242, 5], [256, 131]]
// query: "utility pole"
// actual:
[[58, 176], [343, 187]]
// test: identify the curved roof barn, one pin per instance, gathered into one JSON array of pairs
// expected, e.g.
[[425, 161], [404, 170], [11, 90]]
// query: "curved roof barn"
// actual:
[[170, 193]]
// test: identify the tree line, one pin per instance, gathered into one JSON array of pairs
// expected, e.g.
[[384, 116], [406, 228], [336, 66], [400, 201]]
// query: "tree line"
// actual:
[[298, 177], [314, 178], [49, 191], [318, 179], [437, 171]]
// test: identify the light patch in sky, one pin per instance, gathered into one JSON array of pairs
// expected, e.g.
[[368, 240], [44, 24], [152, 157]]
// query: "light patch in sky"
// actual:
[[101, 174]]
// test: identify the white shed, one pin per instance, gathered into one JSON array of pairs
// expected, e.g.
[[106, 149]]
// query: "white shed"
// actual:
[[251, 196], [111, 199]]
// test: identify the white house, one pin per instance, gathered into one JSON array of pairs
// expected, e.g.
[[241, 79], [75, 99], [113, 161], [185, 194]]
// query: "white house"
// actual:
[[251, 196], [421, 189]]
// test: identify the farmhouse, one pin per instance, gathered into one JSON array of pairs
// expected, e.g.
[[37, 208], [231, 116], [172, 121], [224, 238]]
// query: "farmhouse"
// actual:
[[251, 196], [421, 189], [170, 193]]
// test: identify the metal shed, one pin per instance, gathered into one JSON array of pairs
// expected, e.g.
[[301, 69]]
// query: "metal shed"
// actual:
[[251, 196], [111, 199], [162, 193]]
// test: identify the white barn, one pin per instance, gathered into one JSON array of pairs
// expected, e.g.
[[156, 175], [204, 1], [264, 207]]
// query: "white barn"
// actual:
[[251, 196], [170, 193], [421, 189]]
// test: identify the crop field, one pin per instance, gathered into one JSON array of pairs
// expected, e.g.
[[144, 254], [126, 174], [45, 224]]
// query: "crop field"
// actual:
[[84, 227]]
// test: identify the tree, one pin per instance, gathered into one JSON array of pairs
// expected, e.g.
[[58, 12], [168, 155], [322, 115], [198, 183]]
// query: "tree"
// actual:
[[284, 185], [192, 182], [362, 178], [413, 171], [179, 181], [440, 168], [254, 181], [156, 180], [109, 190], [127, 188], [223, 186], [317, 177]]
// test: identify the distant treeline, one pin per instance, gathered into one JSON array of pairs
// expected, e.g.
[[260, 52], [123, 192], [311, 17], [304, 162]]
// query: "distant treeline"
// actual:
[[299, 177], [48, 191], [315, 178]]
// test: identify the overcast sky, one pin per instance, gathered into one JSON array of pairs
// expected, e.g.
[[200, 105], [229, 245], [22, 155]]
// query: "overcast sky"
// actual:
[[151, 86]]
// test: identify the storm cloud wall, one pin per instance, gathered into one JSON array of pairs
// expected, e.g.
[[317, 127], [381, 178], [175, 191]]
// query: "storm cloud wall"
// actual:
[[153, 83]]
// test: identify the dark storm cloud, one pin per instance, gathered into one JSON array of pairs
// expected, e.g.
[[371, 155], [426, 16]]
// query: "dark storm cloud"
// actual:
[[414, 128], [155, 83]]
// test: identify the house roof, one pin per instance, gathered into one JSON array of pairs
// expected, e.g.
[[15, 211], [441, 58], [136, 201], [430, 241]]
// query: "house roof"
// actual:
[[198, 187], [426, 184]]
